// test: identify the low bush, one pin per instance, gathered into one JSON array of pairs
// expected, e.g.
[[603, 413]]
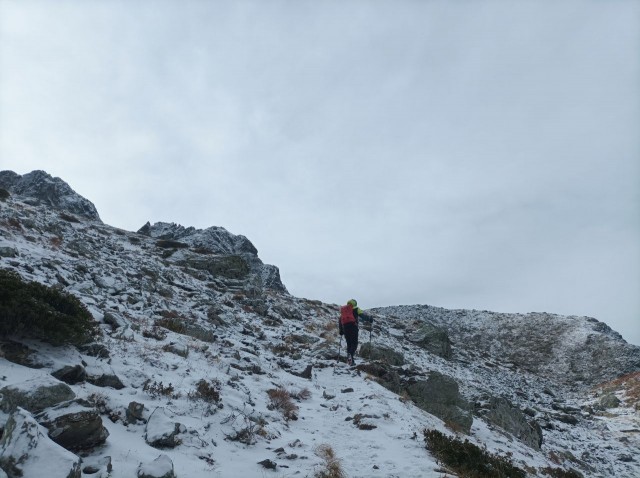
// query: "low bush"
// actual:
[[37, 311], [331, 466], [4, 194], [169, 244], [280, 400], [560, 473], [467, 459], [158, 389], [207, 391]]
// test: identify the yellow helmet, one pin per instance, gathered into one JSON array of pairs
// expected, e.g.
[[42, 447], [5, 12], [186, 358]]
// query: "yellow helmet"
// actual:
[[353, 303]]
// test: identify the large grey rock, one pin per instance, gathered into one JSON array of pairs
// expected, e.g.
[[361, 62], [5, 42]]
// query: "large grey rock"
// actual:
[[384, 354], [237, 257], [500, 412], [34, 395], [71, 375], [440, 396], [8, 252], [609, 400], [135, 412], [27, 451], [432, 338], [106, 380], [74, 427], [48, 190], [229, 266], [161, 467], [20, 353], [162, 431]]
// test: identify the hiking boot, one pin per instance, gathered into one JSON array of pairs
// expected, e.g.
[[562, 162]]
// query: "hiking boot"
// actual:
[[348, 360]]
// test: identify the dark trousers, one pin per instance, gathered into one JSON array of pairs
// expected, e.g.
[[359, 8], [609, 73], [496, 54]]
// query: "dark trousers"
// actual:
[[351, 336]]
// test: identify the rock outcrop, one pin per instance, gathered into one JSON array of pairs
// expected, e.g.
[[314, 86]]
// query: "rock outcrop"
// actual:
[[42, 188], [216, 252], [34, 395], [26, 451]]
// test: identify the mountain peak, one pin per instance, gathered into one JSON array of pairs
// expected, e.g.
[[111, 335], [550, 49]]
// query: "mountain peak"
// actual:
[[41, 188]]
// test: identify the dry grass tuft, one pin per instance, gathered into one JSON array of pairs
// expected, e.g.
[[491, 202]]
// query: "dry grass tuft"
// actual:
[[331, 466], [280, 399]]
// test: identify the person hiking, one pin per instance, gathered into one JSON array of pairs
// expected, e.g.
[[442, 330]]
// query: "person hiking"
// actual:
[[348, 326]]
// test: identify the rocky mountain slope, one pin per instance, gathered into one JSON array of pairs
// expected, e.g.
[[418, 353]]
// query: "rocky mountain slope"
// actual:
[[206, 366]]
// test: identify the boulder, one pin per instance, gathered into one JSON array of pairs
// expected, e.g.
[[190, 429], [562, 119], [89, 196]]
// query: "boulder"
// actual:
[[440, 396], [433, 339], [387, 376], [609, 400], [161, 431], [8, 252], [384, 354], [135, 412], [27, 451], [74, 427], [115, 320], [500, 412], [97, 467], [106, 380], [34, 395], [71, 375], [19, 353], [161, 467], [227, 266]]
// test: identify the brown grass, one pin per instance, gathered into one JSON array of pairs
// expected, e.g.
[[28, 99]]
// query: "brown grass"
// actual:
[[280, 399], [629, 383], [331, 466]]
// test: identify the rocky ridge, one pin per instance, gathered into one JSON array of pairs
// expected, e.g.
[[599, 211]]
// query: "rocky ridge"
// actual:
[[197, 340]]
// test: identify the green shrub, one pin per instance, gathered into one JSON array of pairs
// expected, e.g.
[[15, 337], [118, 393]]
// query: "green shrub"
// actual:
[[169, 244], [560, 473], [207, 391], [4, 194], [42, 312], [467, 459]]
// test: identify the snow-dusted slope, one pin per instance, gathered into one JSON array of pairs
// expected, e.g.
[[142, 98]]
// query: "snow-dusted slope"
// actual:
[[578, 351], [244, 338]]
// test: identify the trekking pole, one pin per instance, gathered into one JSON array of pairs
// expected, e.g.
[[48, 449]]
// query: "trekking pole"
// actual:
[[339, 347]]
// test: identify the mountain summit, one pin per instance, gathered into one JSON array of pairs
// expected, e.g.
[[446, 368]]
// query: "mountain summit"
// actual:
[[40, 187], [175, 352]]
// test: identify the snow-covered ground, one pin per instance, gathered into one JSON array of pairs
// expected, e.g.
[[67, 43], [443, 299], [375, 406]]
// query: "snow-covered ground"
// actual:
[[260, 339]]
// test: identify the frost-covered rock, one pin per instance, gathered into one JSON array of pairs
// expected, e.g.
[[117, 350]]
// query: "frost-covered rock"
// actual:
[[27, 451], [71, 375], [135, 412], [385, 354], [440, 396], [609, 400], [580, 351], [502, 413], [217, 252], [433, 339], [161, 467], [21, 354], [35, 394], [74, 427], [97, 468], [162, 431], [40, 186]]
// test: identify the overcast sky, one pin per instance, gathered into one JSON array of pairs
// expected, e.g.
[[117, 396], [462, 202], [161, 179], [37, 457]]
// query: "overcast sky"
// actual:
[[476, 154]]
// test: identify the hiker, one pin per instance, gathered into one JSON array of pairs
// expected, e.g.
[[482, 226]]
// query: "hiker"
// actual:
[[348, 326]]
